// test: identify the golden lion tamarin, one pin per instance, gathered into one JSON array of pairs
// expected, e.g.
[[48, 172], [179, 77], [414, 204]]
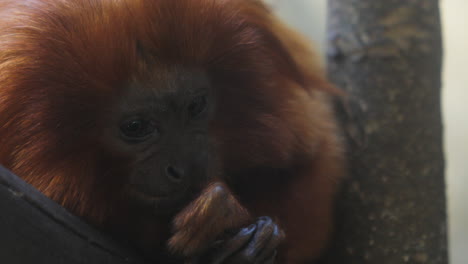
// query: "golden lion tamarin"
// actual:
[[172, 122]]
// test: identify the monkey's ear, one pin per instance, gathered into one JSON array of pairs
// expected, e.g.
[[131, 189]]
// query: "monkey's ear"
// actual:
[[214, 212]]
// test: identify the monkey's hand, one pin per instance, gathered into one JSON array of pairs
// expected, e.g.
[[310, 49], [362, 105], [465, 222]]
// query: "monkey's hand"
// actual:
[[254, 244], [210, 231]]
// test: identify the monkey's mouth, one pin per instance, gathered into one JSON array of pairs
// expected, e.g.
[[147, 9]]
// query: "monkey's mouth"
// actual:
[[135, 192], [141, 197]]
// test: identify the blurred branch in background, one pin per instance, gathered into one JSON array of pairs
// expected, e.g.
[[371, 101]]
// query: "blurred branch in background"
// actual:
[[387, 55]]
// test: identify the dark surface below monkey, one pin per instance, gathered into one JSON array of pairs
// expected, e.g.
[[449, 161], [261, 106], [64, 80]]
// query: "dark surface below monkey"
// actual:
[[201, 131]]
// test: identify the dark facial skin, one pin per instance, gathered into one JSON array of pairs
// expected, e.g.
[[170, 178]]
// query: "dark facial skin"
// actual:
[[162, 126]]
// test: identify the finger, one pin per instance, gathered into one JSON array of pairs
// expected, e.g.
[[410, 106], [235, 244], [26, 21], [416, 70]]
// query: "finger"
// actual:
[[262, 246], [233, 245], [269, 249], [265, 230]]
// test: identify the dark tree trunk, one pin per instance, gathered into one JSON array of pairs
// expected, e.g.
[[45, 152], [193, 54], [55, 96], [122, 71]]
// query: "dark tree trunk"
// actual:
[[386, 54]]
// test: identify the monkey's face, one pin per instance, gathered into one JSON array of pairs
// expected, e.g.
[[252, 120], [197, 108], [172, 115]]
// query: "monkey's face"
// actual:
[[162, 126]]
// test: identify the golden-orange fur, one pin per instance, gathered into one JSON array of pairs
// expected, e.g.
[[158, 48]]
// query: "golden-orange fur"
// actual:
[[64, 62], [210, 215]]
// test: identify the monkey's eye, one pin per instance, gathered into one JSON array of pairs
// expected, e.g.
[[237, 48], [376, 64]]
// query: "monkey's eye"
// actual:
[[137, 129], [198, 106]]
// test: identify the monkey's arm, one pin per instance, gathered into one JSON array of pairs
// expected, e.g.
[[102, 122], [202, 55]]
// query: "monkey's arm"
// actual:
[[213, 229]]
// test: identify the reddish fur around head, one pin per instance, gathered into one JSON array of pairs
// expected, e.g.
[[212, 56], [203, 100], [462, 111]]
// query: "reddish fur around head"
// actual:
[[64, 64]]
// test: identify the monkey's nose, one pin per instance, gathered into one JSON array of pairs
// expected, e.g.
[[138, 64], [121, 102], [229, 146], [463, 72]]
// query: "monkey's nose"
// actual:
[[174, 174]]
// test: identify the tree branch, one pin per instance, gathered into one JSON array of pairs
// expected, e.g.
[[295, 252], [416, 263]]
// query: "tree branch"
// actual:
[[34, 229], [386, 54]]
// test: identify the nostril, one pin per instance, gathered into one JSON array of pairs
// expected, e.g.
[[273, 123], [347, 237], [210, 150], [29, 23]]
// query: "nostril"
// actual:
[[174, 174]]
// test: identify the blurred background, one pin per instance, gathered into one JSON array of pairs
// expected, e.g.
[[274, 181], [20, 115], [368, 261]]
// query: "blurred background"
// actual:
[[309, 16]]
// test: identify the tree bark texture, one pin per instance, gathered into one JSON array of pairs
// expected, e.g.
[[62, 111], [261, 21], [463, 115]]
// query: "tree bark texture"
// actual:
[[386, 55]]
